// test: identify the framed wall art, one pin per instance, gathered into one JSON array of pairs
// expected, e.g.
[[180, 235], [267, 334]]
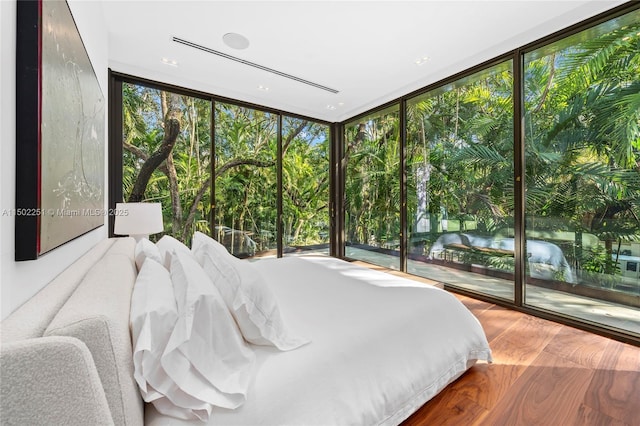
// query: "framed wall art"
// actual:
[[60, 134]]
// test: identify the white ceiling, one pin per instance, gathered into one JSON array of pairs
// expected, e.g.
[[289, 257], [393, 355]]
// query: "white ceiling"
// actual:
[[364, 49]]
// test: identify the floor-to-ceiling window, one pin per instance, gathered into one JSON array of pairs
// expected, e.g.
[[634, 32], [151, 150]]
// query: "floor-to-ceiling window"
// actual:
[[372, 188], [166, 155], [179, 147], [459, 167], [582, 147], [246, 148], [563, 240], [305, 186]]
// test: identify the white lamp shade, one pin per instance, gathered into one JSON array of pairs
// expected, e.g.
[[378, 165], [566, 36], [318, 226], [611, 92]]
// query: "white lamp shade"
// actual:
[[138, 219]]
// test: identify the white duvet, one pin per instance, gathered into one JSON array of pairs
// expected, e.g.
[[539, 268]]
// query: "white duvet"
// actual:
[[381, 346]]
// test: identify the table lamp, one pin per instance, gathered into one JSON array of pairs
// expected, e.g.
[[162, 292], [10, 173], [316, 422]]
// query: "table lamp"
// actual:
[[138, 220]]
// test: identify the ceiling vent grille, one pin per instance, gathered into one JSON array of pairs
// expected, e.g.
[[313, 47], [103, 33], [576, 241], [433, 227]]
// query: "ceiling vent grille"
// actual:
[[252, 64]]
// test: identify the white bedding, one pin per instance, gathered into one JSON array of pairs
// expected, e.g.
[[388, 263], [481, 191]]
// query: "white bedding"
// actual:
[[381, 346]]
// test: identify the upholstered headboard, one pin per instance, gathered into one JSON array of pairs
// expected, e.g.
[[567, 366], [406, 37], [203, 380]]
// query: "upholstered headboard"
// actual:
[[66, 353]]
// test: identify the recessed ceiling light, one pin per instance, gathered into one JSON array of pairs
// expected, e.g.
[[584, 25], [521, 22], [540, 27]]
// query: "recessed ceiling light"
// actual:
[[170, 62], [235, 41], [421, 60], [331, 107], [340, 103], [263, 88]]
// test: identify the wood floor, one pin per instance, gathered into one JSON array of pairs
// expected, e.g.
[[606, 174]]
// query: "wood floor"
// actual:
[[542, 373]]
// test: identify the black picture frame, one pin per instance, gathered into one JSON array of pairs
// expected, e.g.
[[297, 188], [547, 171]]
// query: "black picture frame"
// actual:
[[60, 131]]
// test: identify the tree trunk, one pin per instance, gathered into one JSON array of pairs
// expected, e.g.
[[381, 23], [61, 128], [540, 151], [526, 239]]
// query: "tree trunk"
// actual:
[[176, 207], [296, 233], [171, 132]]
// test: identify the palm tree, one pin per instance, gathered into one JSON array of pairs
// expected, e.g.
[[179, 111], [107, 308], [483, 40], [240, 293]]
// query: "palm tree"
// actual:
[[583, 138]]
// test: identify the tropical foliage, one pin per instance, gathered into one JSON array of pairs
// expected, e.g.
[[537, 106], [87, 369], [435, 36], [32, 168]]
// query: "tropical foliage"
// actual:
[[460, 157], [372, 188], [175, 131], [305, 184], [581, 148], [172, 133], [582, 133]]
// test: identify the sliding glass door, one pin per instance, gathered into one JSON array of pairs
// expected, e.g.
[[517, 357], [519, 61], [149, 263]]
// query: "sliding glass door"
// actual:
[[247, 151], [459, 167], [305, 186], [246, 140], [372, 188], [582, 145]]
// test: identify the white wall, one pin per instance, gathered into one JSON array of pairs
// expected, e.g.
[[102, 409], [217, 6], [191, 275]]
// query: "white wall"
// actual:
[[21, 280]]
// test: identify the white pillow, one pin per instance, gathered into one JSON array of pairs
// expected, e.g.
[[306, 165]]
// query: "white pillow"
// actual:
[[146, 249], [166, 245], [199, 239], [206, 355], [247, 295], [153, 316]]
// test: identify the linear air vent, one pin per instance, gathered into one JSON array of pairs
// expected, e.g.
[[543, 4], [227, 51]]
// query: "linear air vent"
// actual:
[[252, 64]]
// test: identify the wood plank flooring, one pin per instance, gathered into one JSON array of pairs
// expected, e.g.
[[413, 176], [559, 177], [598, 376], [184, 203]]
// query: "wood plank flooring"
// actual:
[[542, 373]]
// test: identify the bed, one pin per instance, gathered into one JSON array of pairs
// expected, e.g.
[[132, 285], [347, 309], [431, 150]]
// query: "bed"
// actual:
[[381, 346]]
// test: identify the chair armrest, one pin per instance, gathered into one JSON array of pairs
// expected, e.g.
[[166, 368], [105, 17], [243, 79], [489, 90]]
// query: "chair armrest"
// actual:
[[50, 380]]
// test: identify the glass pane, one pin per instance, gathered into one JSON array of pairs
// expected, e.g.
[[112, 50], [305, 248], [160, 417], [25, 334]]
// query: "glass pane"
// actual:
[[245, 179], [305, 186], [460, 183], [582, 136], [153, 121], [372, 189]]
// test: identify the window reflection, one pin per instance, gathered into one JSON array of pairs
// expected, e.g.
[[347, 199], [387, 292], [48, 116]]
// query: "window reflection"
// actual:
[[460, 183]]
